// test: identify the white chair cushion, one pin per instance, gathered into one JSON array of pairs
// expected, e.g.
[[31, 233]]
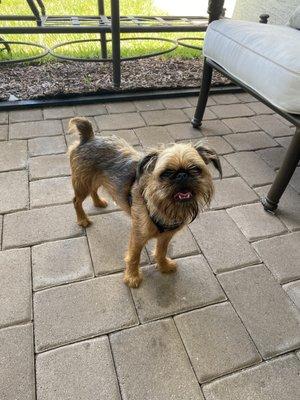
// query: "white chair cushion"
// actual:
[[264, 57]]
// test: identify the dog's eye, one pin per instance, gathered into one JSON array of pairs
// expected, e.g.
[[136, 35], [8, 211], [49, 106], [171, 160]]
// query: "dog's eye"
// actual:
[[196, 170], [168, 173]]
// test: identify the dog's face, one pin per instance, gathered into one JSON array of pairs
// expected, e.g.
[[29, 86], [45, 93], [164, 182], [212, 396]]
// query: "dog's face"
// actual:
[[176, 181]]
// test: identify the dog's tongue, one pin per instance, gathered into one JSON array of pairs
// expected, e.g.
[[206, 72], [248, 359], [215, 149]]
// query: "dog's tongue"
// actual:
[[183, 196]]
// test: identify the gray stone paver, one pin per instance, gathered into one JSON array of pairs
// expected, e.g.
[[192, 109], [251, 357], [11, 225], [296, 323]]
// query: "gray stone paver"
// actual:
[[250, 141], [151, 136], [108, 238], [277, 379], [3, 132], [193, 285], [269, 315], [79, 371], [46, 145], [194, 99], [57, 265], [230, 192], [3, 117], [1, 225], [284, 141], [119, 121], [295, 180], [230, 346], [149, 105], [15, 295], [13, 155], [255, 222], [120, 107], [14, 191], [243, 124], [183, 132], [216, 127], [70, 313], [59, 262], [260, 108], [17, 363], [164, 117], [281, 255], [90, 109], [225, 99], [245, 97], [222, 243], [25, 228], [219, 144], [58, 112], [25, 115], [49, 166], [232, 110], [28, 130], [178, 102], [145, 359], [293, 290], [251, 167], [45, 192], [273, 156], [272, 125]]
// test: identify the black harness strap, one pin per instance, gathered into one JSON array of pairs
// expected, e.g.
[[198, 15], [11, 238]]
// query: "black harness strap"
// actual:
[[159, 225]]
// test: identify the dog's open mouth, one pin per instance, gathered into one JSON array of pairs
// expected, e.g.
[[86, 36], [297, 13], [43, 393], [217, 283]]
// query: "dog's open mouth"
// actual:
[[183, 196]]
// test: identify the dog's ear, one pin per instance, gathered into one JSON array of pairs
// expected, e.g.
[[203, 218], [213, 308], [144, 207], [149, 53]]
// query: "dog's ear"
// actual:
[[209, 155], [146, 164]]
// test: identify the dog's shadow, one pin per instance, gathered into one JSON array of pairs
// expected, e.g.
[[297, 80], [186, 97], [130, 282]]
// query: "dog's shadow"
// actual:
[[162, 288]]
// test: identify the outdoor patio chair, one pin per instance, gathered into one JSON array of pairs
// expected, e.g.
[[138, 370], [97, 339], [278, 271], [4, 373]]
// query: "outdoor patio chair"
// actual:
[[265, 61]]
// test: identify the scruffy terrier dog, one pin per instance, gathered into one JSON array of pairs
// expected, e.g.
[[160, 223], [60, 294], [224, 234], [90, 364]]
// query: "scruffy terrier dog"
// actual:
[[162, 191]]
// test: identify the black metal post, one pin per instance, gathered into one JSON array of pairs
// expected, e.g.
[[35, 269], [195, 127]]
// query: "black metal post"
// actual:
[[202, 100], [101, 11], [115, 38], [42, 7], [35, 12], [215, 11], [263, 18], [291, 159]]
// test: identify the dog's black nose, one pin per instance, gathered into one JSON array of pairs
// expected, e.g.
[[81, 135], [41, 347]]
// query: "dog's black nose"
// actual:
[[181, 176]]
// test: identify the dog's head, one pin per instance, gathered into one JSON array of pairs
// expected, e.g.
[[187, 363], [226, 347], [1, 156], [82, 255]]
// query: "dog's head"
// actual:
[[176, 180]]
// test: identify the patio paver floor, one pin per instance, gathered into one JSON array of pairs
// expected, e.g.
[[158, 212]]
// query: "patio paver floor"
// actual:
[[226, 325]]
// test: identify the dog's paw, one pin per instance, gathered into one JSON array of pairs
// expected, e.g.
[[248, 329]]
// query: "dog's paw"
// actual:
[[84, 222], [133, 281], [167, 266], [101, 203]]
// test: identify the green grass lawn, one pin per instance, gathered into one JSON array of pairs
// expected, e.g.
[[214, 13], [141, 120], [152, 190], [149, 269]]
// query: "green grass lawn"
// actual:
[[91, 49]]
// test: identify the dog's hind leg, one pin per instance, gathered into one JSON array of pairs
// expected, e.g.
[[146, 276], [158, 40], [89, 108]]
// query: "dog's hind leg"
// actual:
[[81, 193], [97, 200]]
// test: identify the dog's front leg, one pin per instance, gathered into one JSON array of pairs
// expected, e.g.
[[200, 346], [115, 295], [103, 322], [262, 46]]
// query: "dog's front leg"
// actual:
[[164, 263], [133, 276]]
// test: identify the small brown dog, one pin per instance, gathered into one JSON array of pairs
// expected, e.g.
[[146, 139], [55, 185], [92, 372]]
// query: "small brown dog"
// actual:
[[161, 191]]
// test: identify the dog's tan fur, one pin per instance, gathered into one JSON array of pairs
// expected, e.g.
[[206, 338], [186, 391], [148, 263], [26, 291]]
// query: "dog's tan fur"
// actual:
[[117, 167]]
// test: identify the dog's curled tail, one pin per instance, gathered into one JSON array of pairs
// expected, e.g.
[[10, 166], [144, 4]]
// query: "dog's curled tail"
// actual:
[[83, 127]]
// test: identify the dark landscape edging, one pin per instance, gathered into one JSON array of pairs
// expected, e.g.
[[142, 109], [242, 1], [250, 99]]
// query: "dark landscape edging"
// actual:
[[113, 97]]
